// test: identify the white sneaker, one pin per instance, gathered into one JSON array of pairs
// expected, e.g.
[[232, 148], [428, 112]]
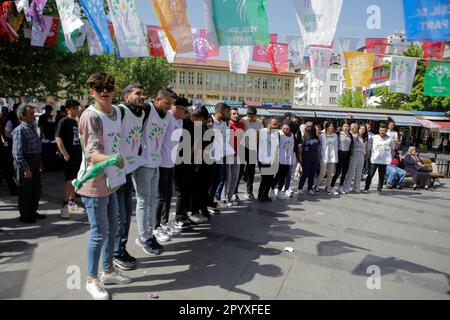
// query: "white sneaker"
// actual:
[[311, 192], [281, 196], [290, 193], [342, 191], [273, 193], [76, 209], [65, 212], [197, 218], [114, 278], [96, 290], [334, 192], [161, 235], [171, 231], [300, 192]]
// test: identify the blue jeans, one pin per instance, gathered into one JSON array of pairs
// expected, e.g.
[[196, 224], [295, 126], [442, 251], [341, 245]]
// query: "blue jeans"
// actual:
[[222, 177], [125, 201], [102, 215], [290, 176], [145, 181], [395, 175]]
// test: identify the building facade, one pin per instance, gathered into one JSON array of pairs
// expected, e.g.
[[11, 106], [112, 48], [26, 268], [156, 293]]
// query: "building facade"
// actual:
[[214, 81]]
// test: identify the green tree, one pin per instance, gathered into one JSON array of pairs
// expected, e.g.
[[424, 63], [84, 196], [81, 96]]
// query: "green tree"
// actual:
[[351, 99], [416, 99]]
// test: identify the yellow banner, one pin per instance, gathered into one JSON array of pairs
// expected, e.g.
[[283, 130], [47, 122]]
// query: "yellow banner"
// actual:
[[358, 69], [175, 22]]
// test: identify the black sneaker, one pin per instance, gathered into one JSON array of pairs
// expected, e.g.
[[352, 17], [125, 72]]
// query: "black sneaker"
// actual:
[[261, 199], [212, 204], [128, 257], [182, 224], [267, 198], [148, 248], [39, 216], [156, 244], [27, 220], [123, 264], [206, 214]]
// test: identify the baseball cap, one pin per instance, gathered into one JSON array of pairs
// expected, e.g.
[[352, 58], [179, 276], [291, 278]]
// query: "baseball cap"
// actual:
[[251, 111]]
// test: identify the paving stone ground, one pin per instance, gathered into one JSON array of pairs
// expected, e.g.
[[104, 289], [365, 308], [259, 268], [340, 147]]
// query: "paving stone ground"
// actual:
[[238, 254]]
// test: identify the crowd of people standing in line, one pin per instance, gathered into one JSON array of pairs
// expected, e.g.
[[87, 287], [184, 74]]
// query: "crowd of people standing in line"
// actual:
[[204, 173]]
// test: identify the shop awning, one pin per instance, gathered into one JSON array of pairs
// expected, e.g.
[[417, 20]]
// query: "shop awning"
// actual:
[[303, 113], [211, 109], [332, 115], [443, 127], [262, 112], [431, 115], [427, 123], [409, 121], [369, 116]]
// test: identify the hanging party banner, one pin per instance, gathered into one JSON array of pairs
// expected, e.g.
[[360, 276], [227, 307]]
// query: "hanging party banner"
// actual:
[[241, 22], [320, 59], [167, 47], [130, 37], [350, 43], [202, 47], [433, 50], [211, 34], [239, 58], [296, 51], [156, 48], [279, 57], [317, 20], [38, 35], [36, 13], [377, 46], [437, 79], [403, 71], [52, 38], [95, 13], [69, 13], [94, 44], [427, 20], [175, 22], [25, 6], [399, 45], [261, 53], [358, 69]]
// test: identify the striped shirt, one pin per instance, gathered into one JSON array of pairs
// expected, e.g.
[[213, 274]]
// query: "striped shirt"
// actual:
[[345, 141], [26, 142]]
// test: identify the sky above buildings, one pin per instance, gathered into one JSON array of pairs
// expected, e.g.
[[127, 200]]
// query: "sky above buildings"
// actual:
[[282, 20]]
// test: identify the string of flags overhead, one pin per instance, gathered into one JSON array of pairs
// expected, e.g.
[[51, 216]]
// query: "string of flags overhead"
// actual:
[[241, 26]]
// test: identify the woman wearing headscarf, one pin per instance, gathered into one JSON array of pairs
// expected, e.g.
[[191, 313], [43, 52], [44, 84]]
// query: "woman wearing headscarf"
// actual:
[[415, 167]]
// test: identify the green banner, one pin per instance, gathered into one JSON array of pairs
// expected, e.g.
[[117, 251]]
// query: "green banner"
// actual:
[[241, 22], [437, 79]]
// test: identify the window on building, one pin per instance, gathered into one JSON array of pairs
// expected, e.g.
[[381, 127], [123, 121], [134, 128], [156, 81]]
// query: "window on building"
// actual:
[[208, 78], [280, 85], [225, 81], [333, 89], [264, 83], [190, 96], [272, 84], [182, 77], [250, 83], [233, 81], [334, 77], [199, 96], [241, 99], [249, 99], [225, 98], [241, 81], [333, 100], [233, 98], [287, 85], [181, 95], [199, 78], [191, 78], [217, 80], [257, 82]]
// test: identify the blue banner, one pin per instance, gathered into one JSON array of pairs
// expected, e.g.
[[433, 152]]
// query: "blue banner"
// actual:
[[96, 16], [427, 20]]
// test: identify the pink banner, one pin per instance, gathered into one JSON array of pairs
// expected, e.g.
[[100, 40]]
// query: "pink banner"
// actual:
[[433, 50], [377, 46], [279, 57], [52, 38], [156, 48], [261, 53], [202, 47]]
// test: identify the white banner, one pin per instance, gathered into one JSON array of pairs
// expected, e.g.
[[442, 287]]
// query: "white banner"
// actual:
[[403, 71], [296, 50], [69, 13], [317, 20], [320, 59], [239, 58], [130, 37], [38, 36], [168, 50], [211, 34], [94, 45], [349, 44]]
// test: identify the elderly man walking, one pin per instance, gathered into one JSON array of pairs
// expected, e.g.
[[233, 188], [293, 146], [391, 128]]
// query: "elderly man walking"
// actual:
[[27, 160]]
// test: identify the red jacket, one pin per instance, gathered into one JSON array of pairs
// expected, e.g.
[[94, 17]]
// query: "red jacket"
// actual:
[[236, 127]]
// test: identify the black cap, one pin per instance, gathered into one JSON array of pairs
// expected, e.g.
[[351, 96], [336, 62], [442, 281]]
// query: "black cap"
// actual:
[[48, 107], [182, 102], [251, 111]]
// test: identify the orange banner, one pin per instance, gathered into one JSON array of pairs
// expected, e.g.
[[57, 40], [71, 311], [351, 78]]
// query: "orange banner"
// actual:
[[358, 69], [175, 22]]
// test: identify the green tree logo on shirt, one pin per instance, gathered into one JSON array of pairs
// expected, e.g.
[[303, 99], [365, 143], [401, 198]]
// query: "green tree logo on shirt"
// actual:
[[156, 134], [134, 135], [115, 143]]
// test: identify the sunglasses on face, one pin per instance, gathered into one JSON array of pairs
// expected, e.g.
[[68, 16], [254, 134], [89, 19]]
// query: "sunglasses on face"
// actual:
[[102, 88]]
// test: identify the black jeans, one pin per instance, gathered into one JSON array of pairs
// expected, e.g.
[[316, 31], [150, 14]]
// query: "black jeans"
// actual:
[[280, 177], [341, 167], [7, 168], [266, 183], [165, 187], [125, 202], [309, 170], [29, 189], [183, 189], [200, 184], [381, 173]]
